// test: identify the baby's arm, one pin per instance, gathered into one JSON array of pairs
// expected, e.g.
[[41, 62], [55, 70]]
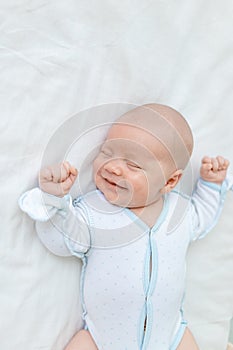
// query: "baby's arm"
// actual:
[[57, 179], [214, 169], [62, 228], [208, 197]]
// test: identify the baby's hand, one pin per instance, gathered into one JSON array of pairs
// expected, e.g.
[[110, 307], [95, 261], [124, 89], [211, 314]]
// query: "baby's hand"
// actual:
[[214, 169], [57, 179]]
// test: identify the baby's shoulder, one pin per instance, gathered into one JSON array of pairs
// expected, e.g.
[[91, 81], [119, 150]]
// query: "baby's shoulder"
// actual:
[[179, 205]]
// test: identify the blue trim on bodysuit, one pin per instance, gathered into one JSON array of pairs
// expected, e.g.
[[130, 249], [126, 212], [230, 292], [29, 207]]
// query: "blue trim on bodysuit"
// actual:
[[212, 185], [84, 258], [179, 335], [150, 279]]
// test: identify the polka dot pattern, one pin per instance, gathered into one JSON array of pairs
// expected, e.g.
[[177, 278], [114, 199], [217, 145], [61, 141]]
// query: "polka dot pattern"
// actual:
[[119, 285]]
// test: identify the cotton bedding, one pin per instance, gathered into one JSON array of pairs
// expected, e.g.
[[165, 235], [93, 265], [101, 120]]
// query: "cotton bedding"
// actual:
[[68, 67]]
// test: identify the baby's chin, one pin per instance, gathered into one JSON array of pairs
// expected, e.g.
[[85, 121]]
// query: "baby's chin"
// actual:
[[115, 199]]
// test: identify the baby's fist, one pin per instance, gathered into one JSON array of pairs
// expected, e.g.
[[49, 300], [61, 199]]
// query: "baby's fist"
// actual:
[[214, 169], [57, 179]]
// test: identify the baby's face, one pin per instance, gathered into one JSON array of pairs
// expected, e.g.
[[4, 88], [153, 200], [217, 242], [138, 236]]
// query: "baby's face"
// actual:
[[129, 170]]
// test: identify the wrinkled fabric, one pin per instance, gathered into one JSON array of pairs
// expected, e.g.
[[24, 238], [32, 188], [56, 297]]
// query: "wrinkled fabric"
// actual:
[[60, 58]]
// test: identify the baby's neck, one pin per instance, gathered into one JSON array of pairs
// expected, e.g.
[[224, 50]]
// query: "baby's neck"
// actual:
[[149, 214]]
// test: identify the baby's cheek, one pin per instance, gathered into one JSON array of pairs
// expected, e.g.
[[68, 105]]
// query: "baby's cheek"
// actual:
[[97, 164], [97, 180], [95, 173], [141, 185]]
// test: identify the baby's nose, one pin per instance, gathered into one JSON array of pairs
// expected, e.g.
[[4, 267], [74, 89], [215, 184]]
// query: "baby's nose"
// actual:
[[114, 166]]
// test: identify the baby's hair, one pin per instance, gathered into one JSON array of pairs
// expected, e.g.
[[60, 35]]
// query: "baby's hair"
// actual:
[[168, 126]]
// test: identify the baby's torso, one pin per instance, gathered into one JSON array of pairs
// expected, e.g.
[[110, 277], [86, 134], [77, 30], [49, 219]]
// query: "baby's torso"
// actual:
[[133, 283]]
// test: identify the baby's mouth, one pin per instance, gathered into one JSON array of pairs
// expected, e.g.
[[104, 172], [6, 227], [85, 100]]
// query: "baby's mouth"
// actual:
[[111, 182], [115, 184]]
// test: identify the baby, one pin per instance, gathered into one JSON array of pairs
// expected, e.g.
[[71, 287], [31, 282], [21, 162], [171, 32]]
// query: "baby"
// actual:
[[132, 233]]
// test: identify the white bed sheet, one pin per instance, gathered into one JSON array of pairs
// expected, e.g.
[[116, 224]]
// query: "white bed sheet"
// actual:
[[58, 58]]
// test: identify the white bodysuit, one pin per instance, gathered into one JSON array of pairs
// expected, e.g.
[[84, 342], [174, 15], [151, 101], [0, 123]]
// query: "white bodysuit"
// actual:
[[132, 282]]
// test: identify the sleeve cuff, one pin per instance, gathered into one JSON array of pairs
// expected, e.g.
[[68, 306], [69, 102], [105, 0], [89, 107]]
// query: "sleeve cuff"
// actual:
[[42, 206], [214, 186]]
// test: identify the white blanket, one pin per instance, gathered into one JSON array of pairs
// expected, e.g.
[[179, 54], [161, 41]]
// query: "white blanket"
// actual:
[[58, 58]]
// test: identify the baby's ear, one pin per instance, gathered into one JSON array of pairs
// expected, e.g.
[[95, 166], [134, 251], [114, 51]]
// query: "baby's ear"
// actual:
[[172, 181]]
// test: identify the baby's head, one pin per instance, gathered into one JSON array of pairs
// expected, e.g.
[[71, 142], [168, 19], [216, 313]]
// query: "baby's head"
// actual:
[[143, 156]]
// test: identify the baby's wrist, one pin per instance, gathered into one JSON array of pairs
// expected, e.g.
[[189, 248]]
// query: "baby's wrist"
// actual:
[[213, 181], [52, 192], [54, 200]]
